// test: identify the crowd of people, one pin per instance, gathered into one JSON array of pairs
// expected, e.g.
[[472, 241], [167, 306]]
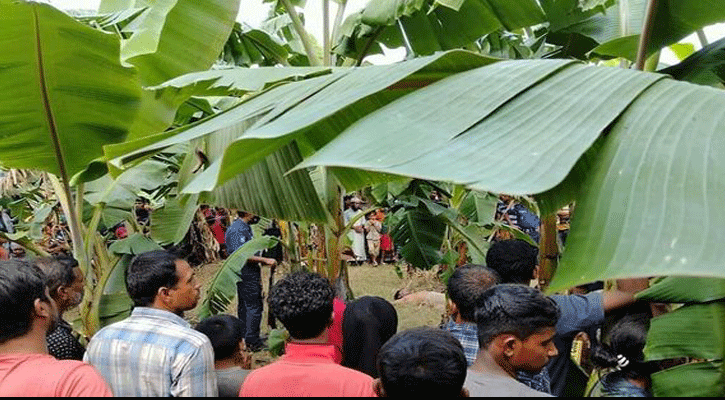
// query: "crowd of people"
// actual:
[[504, 337]]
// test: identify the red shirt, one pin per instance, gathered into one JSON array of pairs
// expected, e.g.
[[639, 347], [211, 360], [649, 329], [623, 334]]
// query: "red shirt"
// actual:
[[41, 375], [335, 331], [307, 370]]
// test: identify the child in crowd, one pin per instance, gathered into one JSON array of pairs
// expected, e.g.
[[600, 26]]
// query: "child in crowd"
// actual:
[[232, 362], [622, 351], [516, 328], [422, 362]]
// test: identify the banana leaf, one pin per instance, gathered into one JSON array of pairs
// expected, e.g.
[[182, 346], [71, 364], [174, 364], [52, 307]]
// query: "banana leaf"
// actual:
[[702, 379], [419, 235], [695, 330], [223, 288], [65, 92], [684, 289]]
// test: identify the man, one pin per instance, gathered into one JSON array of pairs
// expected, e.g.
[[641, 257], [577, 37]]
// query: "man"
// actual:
[[65, 283], [303, 303], [421, 362], [515, 333], [465, 286], [27, 314], [154, 352], [515, 262], [231, 361], [249, 290], [357, 232]]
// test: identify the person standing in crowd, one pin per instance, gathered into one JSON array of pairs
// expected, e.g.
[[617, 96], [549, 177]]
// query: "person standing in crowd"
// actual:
[[515, 262], [516, 215], [154, 352], [28, 313], [367, 324], [231, 360], [357, 232], [249, 289], [422, 362], [65, 282], [516, 328], [302, 301], [622, 351], [373, 227], [465, 286]]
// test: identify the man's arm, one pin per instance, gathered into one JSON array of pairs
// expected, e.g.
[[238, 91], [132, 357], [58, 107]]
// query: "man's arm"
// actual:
[[263, 260], [197, 378], [624, 295]]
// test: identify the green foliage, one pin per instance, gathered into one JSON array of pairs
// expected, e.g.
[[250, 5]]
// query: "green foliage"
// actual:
[[223, 287], [704, 67]]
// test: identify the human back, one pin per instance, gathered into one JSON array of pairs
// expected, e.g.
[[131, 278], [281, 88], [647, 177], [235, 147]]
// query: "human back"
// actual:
[[303, 304], [155, 352]]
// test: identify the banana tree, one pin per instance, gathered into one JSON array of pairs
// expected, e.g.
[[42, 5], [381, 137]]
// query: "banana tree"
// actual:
[[69, 89]]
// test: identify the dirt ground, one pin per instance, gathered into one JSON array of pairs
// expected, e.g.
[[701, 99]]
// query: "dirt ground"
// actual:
[[364, 280]]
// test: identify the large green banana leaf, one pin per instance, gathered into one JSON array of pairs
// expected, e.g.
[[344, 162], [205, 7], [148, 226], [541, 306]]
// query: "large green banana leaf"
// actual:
[[696, 331], [674, 20], [702, 379], [419, 236], [168, 39], [223, 288], [684, 289], [170, 223], [705, 67], [64, 91]]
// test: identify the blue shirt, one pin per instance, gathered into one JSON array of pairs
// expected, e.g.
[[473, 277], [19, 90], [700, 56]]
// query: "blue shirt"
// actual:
[[238, 233]]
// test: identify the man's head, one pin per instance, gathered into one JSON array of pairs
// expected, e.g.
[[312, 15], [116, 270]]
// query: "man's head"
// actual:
[[356, 203], [302, 301], [64, 280], [466, 285], [247, 217], [25, 304], [516, 325], [422, 361], [162, 280], [513, 260], [226, 334]]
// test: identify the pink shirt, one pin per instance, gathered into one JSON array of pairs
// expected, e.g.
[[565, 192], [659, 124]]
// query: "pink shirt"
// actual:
[[307, 370], [41, 375]]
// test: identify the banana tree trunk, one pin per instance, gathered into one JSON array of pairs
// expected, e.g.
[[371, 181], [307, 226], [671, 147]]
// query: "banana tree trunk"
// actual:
[[334, 232], [548, 250]]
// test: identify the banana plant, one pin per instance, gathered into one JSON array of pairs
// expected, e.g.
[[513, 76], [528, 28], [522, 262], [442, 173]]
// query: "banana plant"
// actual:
[[69, 89]]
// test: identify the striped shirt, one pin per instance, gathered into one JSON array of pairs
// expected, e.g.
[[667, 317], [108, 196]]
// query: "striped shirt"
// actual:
[[154, 353]]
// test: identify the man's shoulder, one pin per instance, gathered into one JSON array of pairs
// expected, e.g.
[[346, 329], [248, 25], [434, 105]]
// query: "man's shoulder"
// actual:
[[135, 329], [481, 384]]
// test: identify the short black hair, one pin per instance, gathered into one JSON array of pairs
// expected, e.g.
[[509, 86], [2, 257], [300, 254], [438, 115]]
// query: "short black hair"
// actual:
[[21, 283], [465, 286], [513, 260], [422, 361], [302, 301], [148, 273], [58, 271], [516, 309], [225, 333]]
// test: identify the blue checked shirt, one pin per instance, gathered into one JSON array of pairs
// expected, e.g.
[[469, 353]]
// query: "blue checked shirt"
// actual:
[[154, 353], [467, 334]]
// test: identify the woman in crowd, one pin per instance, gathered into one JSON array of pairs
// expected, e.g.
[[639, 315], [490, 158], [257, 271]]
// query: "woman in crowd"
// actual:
[[367, 324]]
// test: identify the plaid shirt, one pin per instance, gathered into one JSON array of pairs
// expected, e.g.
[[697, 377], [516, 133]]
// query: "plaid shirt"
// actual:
[[467, 334], [154, 353]]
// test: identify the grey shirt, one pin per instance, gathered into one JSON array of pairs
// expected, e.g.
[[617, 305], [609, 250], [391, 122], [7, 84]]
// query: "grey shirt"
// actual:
[[488, 385], [230, 381]]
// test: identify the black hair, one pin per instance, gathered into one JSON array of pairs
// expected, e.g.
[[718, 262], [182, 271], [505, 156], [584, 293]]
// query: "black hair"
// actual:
[[302, 301], [58, 271], [422, 361], [148, 273], [516, 309], [467, 284], [21, 283], [225, 333], [513, 260], [623, 347], [367, 323]]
